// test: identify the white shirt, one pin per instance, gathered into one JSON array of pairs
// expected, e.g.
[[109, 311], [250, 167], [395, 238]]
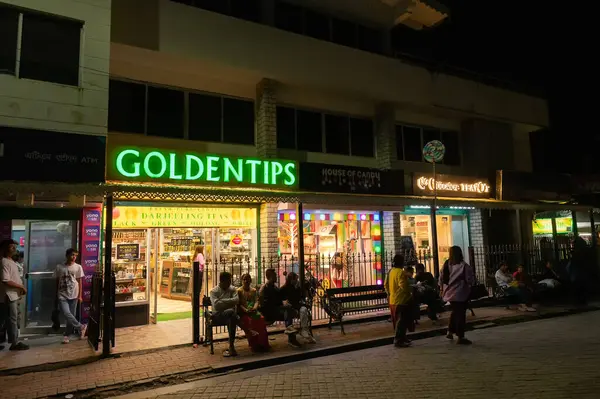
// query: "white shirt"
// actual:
[[223, 299], [10, 272], [503, 280], [68, 287]]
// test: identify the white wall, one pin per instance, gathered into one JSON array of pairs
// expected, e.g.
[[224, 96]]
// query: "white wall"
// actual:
[[305, 62], [50, 106]]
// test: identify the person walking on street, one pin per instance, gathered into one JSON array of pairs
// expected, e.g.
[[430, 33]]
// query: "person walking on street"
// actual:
[[457, 280], [11, 290], [69, 277], [399, 294]]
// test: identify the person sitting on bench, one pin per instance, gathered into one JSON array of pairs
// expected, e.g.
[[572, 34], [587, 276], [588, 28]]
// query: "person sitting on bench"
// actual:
[[272, 307], [225, 299], [293, 298], [428, 293]]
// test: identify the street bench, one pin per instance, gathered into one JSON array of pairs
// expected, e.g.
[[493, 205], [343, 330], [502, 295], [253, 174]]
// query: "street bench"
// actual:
[[356, 299]]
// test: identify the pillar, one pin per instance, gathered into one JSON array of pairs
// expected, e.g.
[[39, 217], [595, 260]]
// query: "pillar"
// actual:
[[266, 147], [266, 119], [478, 242], [385, 132], [391, 236]]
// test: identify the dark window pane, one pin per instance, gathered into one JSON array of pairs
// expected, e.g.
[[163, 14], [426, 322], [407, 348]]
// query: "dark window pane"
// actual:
[[220, 6], [369, 39], [309, 131], [165, 112], [337, 135], [316, 25], [205, 117], [238, 121], [343, 32], [451, 142], [399, 145], [361, 137], [286, 128], [430, 135], [9, 22], [413, 149], [126, 107], [289, 17], [50, 49], [246, 9]]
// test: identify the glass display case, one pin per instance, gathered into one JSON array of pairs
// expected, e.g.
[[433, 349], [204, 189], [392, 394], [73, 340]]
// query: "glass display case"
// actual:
[[129, 260]]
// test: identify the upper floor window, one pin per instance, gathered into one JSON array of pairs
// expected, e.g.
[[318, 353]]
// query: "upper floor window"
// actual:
[[248, 10], [49, 46], [318, 132], [410, 141], [305, 21], [159, 111]]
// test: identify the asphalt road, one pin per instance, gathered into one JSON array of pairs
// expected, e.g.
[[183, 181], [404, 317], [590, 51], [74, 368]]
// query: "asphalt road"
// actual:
[[554, 358]]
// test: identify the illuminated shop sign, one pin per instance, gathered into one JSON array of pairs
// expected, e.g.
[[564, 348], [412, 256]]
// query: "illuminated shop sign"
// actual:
[[155, 165], [451, 186], [564, 225], [128, 217]]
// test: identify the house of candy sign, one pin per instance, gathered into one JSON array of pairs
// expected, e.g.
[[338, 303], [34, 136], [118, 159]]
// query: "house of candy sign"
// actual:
[[454, 186]]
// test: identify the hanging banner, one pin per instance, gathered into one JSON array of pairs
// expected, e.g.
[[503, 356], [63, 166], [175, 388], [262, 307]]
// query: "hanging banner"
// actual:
[[90, 250], [140, 217]]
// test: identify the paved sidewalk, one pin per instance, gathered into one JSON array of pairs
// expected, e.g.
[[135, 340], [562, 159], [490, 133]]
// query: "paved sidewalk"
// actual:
[[151, 367], [551, 359]]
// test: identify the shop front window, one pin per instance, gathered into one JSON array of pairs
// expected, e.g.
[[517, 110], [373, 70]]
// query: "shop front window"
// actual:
[[154, 249], [416, 228], [342, 248]]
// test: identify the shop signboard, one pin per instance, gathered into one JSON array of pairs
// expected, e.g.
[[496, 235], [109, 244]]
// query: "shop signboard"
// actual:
[[90, 233], [142, 217], [523, 186], [543, 226], [128, 251], [451, 186], [350, 180], [45, 156], [147, 164]]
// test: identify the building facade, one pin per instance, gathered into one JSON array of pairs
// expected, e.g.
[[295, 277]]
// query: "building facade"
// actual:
[[310, 84], [54, 74]]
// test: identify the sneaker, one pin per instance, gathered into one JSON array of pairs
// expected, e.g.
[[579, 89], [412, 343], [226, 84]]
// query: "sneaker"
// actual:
[[450, 336], [294, 343], [83, 331], [20, 346], [530, 309], [290, 330], [463, 341], [402, 344], [66, 340]]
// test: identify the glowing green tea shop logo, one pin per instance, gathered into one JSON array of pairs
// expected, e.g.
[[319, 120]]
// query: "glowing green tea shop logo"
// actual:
[[137, 164]]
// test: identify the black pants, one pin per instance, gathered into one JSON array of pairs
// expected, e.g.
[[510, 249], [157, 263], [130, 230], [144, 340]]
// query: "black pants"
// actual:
[[227, 318], [458, 319], [404, 317]]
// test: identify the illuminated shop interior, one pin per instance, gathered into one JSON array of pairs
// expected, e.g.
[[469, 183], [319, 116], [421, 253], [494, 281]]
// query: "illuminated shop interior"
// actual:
[[452, 229], [153, 247]]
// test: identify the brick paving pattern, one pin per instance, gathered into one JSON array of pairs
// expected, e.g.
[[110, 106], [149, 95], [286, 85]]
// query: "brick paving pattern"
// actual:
[[135, 367], [554, 358]]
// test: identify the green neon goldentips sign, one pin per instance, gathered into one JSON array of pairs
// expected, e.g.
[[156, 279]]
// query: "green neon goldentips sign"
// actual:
[[155, 165]]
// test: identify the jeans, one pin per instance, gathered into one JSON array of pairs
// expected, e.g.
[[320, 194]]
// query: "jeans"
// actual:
[[68, 307], [404, 315], [11, 320], [523, 294], [227, 318], [458, 319]]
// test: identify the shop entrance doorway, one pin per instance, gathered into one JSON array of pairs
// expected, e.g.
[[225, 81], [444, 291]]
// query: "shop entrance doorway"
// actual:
[[43, 244]]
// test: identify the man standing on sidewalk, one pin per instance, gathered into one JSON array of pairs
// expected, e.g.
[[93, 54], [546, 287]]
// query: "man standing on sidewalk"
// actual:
[[68, 282], [11, 290]]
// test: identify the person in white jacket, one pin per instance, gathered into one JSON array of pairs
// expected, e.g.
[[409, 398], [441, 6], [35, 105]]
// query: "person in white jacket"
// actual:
[[224, 299]]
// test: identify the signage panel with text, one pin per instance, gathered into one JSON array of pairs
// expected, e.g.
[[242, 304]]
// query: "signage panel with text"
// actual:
[[451, 186], [145, 164]]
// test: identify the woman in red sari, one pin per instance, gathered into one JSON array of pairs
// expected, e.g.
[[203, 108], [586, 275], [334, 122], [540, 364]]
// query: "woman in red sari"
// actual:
[[250, 317]]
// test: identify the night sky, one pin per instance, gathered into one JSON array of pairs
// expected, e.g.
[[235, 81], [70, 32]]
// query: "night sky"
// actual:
[[537, 47]]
